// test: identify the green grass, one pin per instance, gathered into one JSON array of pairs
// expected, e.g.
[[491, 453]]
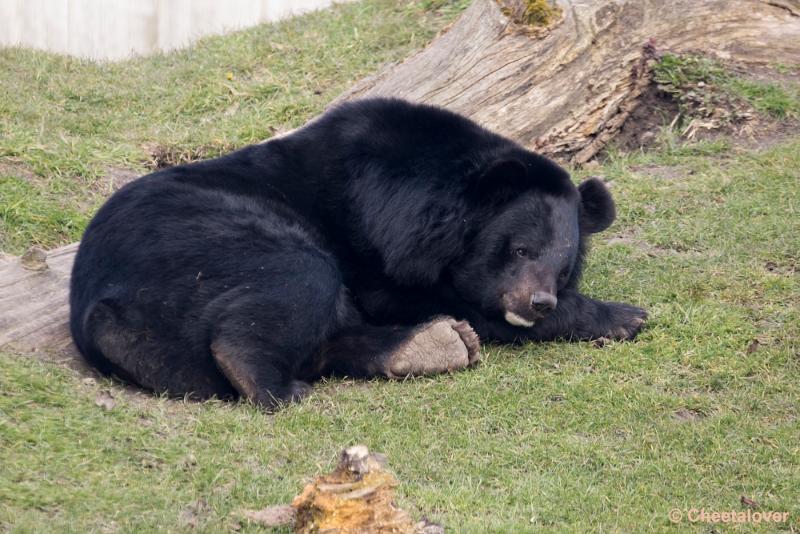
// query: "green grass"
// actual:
[[68, 121], [34, 213], [548, 437]]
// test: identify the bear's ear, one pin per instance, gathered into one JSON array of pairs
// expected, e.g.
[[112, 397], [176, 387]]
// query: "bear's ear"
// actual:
[[597, 206], [502, 180]]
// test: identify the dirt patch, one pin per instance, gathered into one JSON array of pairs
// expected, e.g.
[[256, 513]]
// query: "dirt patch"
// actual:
[[787, 268], [655, 111], [113, 179], [116, 177], [784, 77], [62, 353], [195, 514], [17, 169], [687, 415], [705, 112], [663, 172], [764, 133], [632, 239]]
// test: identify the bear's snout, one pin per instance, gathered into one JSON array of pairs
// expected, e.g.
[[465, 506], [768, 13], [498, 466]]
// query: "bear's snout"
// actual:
[[524, 308], [543, 302]]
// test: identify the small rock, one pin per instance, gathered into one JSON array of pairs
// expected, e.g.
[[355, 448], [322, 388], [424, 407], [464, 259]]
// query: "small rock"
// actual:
[[34, 259], [591, 165], [750, 503], [426, 527], [355, 459], [359, 461], [271, 516], [105, 400]]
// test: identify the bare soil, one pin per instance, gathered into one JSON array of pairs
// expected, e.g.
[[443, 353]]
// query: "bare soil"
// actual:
[[734, 121]]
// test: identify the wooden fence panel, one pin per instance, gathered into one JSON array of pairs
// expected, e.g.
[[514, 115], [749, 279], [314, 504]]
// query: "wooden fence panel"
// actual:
[[111, 30]]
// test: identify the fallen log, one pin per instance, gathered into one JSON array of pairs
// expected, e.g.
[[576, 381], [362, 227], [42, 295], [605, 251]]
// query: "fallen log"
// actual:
[[559, 81], [34, 307]]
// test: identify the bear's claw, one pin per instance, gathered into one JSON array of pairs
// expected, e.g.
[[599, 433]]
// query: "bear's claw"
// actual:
[[627, 321]]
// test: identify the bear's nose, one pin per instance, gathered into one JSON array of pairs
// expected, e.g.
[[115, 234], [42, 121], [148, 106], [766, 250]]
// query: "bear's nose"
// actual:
[[543, 302]]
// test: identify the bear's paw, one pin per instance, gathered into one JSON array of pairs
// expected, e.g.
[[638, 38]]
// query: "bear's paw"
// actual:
[[440, 345]]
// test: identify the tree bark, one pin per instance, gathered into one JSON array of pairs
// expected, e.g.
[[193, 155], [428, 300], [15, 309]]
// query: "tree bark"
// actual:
[[564, 89]]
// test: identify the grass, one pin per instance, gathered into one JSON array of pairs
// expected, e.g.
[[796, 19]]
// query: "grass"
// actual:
[[554, 437], [65, 122]]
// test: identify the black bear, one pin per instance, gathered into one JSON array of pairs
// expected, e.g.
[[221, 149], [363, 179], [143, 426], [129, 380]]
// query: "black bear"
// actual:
[[381, 239]]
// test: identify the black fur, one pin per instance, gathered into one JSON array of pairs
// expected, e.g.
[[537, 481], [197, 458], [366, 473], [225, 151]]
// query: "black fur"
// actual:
[[314, 252]]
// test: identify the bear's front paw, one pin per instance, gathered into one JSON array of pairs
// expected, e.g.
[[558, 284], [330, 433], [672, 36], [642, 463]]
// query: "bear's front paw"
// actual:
[[625, 320], [441, 345]]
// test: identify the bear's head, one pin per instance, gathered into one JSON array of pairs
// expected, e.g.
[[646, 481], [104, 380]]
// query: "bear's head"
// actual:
[[528, 243]]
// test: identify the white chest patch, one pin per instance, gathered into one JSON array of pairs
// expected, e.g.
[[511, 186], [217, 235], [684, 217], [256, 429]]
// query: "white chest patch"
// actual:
[[516, 320]]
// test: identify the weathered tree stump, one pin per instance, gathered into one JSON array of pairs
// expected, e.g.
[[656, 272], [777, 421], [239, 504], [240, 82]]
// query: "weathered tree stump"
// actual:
[[566, 88], [357, 497], [561, 82]]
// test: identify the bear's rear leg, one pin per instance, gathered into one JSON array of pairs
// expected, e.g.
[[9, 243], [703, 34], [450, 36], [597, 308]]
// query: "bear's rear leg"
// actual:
[[257, 375], [440, 345], [262, 340]]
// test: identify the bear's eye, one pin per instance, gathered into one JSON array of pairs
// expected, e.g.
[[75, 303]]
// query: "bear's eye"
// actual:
[[521, 252], [563, 276]]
